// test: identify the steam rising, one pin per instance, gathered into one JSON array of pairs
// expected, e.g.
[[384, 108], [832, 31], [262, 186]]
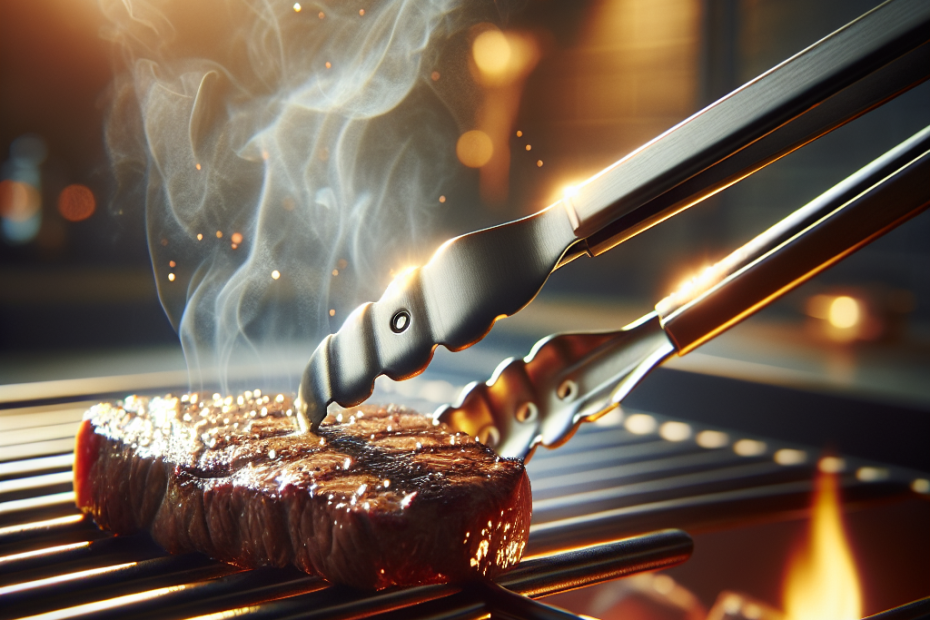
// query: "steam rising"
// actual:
[[303, 135]]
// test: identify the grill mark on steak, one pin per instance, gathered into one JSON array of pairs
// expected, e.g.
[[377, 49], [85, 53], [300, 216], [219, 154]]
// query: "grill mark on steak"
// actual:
[[378, 497]]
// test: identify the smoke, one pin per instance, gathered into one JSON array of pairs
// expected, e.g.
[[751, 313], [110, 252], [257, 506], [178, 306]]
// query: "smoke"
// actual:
[[287, 155]]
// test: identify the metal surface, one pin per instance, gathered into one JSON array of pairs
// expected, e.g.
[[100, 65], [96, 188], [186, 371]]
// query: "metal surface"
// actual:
[[866, 205], [453, 300], [568, 379], [917, 610], [477, 278]]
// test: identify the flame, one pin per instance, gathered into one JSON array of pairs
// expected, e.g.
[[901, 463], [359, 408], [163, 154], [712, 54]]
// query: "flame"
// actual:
[[822, 583]]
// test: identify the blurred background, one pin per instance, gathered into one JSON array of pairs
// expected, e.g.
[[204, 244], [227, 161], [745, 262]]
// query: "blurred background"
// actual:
[[535, 96], [541, 95]]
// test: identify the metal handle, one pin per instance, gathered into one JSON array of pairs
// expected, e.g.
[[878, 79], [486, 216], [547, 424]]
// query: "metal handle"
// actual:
[[866, 205], [846, 74]]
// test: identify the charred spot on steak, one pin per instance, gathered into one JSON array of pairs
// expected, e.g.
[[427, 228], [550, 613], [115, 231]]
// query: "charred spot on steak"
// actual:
[[378, 496]]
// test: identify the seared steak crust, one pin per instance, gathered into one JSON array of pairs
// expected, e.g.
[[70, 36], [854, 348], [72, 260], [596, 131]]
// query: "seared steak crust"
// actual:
[[377, 497]]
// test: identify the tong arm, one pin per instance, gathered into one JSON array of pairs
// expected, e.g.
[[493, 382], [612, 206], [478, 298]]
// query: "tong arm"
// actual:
[[572, 378]]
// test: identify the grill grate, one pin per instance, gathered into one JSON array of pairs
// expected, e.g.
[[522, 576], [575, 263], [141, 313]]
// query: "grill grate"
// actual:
[[617, 478]]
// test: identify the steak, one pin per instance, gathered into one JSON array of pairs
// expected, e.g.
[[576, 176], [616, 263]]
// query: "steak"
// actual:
[[378, 496]]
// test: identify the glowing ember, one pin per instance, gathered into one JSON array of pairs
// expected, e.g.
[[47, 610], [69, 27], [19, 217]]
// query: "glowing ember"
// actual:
[[434, 76], [329, 65], [539, 163], [519, 134], [529, 147], [821, 582], [172, 264], [236, 237], [442, 199], [332, 312], [219, 234]]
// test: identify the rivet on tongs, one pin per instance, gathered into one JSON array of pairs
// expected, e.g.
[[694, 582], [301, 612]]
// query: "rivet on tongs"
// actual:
[[400, 321], [567, 390], [527, 412]]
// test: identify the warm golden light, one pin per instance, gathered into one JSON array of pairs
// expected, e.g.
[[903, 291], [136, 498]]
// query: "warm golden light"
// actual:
[[275, 274], [474, 148], [844, 312], [491, 52], [821, 583]]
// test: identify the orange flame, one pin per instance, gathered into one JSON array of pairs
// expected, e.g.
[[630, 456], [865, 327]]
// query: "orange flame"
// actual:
[[821, 583]]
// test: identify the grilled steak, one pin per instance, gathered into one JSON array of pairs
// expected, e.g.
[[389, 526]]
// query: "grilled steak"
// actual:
[[377, 497]]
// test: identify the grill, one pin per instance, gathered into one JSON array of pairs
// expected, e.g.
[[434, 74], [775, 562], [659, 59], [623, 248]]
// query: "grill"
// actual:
[[632, 472]]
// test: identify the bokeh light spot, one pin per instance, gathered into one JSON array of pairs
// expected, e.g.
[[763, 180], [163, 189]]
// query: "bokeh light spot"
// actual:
[[491, 52], [18, 201], [171, 277], [275, 274], [236, 237], [844, 312], [474, 148], [219, 234], [76, 203], [297, 7], [442, 199]]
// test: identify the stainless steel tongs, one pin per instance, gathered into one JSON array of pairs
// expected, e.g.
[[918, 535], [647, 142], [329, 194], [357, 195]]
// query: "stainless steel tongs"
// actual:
[[568, 379], [473, 280]]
